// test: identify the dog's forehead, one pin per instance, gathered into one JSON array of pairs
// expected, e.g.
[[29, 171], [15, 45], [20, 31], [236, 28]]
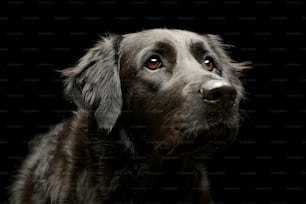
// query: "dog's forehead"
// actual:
[[173, 36]]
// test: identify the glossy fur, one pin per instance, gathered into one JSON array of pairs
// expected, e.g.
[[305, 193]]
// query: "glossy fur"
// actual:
[[139, 136]]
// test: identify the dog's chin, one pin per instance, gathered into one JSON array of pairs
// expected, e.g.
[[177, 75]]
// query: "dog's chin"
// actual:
[[202, 140]]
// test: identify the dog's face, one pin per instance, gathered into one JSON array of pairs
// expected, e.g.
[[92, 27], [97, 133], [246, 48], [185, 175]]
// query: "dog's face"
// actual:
[[179, 86]]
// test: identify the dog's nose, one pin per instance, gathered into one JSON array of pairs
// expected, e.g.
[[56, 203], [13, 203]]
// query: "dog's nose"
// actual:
[[215, 91]]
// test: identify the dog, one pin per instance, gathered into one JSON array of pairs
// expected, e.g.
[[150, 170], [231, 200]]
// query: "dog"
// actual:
[[152, 106]]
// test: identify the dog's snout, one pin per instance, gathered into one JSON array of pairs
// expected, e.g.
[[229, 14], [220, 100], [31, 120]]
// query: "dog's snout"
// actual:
[[215, 91]]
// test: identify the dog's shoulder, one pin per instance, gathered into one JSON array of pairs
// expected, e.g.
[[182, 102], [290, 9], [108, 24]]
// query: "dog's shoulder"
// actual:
[[63, 147], [61, 139], [62, 134]]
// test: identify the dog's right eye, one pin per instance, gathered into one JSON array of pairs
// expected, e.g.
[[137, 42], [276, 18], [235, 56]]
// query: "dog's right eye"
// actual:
[[153, 63]]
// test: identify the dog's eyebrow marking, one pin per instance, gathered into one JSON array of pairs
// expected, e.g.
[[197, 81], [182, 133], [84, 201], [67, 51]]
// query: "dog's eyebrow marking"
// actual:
[[198, 50], [166, 50]]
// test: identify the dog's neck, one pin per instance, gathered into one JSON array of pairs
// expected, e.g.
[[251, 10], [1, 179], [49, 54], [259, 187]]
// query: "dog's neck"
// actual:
[[139, 171], [122, 140]]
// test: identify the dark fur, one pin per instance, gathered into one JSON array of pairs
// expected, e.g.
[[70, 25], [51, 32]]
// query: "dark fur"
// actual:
[[138, 136]]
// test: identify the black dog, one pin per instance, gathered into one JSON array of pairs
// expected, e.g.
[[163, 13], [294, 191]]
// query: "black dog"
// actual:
[[152, 106]]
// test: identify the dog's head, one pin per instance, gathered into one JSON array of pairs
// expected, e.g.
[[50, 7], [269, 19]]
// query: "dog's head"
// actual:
[[181, 87]]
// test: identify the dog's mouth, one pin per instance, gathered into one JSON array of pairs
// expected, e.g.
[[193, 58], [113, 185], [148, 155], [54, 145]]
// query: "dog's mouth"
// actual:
[[199, 139]]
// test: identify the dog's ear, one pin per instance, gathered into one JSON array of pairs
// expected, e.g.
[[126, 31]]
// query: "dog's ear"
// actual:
[[94, 83]]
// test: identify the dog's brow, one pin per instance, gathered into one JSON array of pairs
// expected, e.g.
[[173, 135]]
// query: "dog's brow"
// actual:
[[198, 50], [165, 49], [162, 46]]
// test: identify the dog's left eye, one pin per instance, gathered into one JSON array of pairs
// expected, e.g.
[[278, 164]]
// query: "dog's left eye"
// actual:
[[153, 63], [210, 64]]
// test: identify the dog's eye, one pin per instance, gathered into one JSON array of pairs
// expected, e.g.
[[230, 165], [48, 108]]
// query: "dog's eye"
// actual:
[[210, 64], [153, 63]]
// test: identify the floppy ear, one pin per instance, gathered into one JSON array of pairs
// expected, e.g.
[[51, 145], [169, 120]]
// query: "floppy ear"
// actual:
[[94, 83]]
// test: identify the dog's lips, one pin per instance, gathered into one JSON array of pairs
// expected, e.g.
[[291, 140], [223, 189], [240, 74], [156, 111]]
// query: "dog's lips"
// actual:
[[220, 115], [203, 140], [213, 123]]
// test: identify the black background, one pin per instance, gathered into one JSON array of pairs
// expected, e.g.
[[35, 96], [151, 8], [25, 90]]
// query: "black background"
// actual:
[[267, 162]]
